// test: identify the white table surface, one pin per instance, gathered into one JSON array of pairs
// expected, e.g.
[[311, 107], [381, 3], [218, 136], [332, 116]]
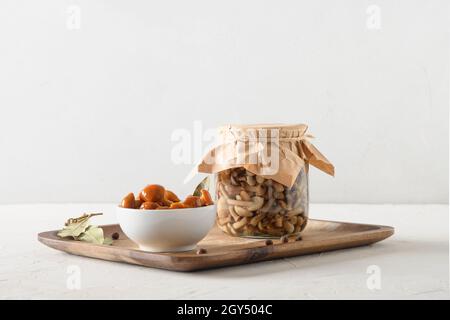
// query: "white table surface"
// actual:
[[413, 264]]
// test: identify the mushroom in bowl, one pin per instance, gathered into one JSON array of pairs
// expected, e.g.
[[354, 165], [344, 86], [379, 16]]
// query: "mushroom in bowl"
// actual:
[[159, 222]]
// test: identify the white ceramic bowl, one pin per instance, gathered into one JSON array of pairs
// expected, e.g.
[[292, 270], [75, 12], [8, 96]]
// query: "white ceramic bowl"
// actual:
[[171, 230]]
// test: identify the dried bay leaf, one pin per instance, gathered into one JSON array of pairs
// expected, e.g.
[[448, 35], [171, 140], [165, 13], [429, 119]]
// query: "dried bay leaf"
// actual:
[[74, 229], [80, 229], [204, 184], [93, 234]]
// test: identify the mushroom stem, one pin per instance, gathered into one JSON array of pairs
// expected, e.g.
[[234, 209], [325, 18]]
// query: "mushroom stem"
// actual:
[[240, 203], [242, 211]]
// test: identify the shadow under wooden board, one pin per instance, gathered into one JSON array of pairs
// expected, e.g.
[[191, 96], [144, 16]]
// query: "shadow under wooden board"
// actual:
[[224, 250]]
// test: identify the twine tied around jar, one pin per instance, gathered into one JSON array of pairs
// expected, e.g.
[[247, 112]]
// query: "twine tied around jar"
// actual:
[[276, 152]]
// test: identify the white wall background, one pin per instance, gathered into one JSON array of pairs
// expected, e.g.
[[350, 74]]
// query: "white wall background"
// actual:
[[87, 114]]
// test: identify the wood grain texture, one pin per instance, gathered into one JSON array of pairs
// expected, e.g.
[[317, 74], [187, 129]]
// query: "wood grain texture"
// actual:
[[224, 250]]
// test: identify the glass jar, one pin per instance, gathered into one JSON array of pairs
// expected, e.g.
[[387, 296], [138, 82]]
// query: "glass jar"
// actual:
[[262, 178], [250, 205]]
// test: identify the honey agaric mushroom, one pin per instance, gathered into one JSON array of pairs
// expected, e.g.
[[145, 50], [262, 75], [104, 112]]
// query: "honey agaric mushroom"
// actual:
[[171, 196], [241, 203], [231, 190], [242, 212], [239, 224], [278, 187], [260, 179], [245, 196], [233, 213], [257, 203], [251, 180], [253, 205], [259, 189], [128, 201]]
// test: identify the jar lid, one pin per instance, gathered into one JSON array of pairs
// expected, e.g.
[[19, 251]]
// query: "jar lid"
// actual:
[[274, 151], [268, 131]]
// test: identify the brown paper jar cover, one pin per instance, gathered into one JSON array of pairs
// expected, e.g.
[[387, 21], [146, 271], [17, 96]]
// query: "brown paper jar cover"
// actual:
[[249, 146]]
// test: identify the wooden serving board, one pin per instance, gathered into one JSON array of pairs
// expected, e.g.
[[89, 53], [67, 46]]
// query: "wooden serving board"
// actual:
[[224, 250]]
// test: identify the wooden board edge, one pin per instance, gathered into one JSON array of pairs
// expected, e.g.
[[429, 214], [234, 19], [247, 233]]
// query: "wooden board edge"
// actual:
[[208, 261], [273, 252]]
